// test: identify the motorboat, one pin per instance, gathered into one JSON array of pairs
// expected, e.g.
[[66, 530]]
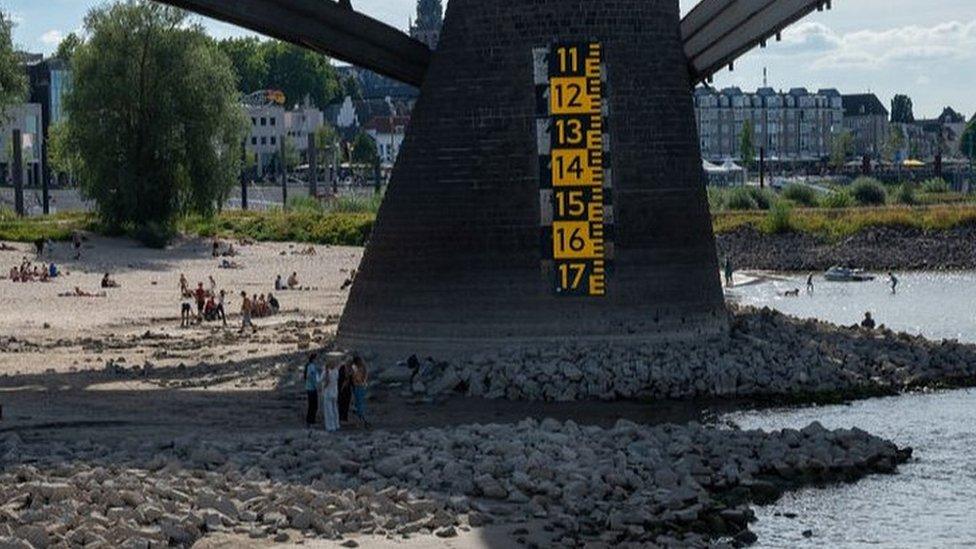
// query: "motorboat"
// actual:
[[846, 274]]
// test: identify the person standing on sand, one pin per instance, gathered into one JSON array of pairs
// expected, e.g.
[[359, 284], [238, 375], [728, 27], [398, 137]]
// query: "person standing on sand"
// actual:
[[184, 285], [360, 379], [728, 272], [893, 280], [311, 377], [186, 311], [76, 240], [330, 396], [810, 283], [868, 322], [345, 390], [221, 314], [201, 297], [246, 314]]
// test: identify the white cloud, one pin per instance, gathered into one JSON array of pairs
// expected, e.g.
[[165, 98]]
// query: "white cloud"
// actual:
[[880, 49], [52, 37]]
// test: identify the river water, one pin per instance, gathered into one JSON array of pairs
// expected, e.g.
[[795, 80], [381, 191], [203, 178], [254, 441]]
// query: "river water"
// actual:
[[932, 501]]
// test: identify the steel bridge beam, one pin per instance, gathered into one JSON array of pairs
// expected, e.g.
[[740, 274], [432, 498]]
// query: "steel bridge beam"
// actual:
[[326, 27]]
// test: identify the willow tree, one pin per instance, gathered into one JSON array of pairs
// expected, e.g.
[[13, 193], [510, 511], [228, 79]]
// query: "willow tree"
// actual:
[[154, 117]]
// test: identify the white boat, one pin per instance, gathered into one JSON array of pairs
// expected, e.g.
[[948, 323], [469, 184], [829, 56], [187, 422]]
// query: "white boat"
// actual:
[[845, 274]]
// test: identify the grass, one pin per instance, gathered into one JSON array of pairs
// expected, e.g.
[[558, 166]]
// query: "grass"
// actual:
[[839, 223], [57, 227]]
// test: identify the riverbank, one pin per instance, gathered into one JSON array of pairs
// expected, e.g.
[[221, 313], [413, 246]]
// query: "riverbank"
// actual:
[[882, 248]]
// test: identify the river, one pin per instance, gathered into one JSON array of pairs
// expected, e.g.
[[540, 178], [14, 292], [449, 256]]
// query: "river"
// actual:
[[930, 502]]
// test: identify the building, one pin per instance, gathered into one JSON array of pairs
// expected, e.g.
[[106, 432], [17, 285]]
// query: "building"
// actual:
[[430, 20], [942, 135], [866, 118], [300, 123], [388, 132], [349, 115], [25, 117], [793, 126], [267, 128], [49, 82]]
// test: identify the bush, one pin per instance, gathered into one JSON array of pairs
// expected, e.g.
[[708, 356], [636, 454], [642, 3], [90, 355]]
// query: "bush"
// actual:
[[154, 234], [800, 194], [305, 204], [764, 197], [780, 218], [741, 199], [836, 200], [868, 191], [936, 185], [906, 194]]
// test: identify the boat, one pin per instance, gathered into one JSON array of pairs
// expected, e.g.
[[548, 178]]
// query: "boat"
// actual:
[[845, 274]]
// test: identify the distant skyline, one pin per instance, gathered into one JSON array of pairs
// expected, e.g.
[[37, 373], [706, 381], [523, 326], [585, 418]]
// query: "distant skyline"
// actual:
[[918, 47]]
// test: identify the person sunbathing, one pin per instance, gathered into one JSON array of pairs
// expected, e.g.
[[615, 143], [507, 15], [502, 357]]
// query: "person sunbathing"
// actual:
[[81, 293], [227, 264], [107, 282], [293, 281]]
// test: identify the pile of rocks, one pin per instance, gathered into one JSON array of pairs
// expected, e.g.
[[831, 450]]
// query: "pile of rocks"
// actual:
[[879, 248], [767, 354], [629, 483]]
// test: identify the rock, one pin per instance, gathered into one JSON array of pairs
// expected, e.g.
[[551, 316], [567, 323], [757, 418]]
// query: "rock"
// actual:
[[349, 543], [448, 532]]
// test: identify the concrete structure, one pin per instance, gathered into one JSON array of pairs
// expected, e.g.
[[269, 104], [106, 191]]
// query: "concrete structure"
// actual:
[[26, 117], [267, 129], [50, 81], [866, 118], [299, 124], [456, 264], [791, 126]]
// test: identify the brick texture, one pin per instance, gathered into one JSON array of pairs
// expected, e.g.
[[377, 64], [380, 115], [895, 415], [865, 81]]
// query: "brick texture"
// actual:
[[455, 262]]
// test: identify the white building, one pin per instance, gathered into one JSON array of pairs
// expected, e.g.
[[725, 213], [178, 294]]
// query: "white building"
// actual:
[[267, 123], [300, 123], [25, 117], [388, 132]]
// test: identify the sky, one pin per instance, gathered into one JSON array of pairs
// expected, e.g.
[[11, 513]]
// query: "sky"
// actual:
[[923, 48]]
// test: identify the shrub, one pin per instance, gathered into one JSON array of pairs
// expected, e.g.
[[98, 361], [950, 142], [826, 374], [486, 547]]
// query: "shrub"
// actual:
[[936, 185], [800, 194], [906, 194], [741, 199], [764, 197], [868, 191], [154, 234], [305, 204], [779, 219], [837, 199]]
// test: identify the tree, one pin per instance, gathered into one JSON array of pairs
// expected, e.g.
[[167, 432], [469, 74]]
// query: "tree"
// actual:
[[968, 144], [62, 157], [67, 47], [154, 117], [270, 64], [901, 110], [351, 88], [247, 56], [326, 136], [894, 143], [13, 81], [747, 147], [364, 150], [841, 148]]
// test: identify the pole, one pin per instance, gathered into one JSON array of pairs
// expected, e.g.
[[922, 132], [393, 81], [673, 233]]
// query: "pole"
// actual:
[[762, 167], [45, 179], [313, 166], [243, 176], [334, 169], [376, 178], [18, 168], [284, 173]]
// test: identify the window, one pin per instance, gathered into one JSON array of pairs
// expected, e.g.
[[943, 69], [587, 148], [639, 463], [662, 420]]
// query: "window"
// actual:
[[273, 121], [264, 121], [254, 141], [264, 140], [254, 121], [274, 140]]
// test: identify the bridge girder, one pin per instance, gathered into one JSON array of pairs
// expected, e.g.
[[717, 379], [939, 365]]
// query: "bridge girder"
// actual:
[[326, 27]]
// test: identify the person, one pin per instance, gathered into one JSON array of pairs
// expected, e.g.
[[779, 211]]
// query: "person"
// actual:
[[868, 322], [39, 247], [52, 271], [311, 377], [345, 390], [413, 363], [262, 307], [246, 314], [360, 379], [330, 396], [76, 240], [810, 283], [186, 312], [728, 272], [210, 309], [107, 282], [279, 285], [213, 286], [184, 285], [216, 248], [293, 281], [893, 280], [273, 303], [219, 311], [201, 297]]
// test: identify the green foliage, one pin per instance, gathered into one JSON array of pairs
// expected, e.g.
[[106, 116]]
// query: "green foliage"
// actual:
[[779, 219], [936, 185], [747, 148], [894, 143], [13, 80], [154, 117], [357, 204], [800, 194], [154, 234], [62, 157], [326, 137], [67, 47], [902, 110], [841, 148], [741, 199], [270, 64], [364, 150], [837, 199], [868, 191], [968, 145], [905, 194], [58, 227], [292, 226]]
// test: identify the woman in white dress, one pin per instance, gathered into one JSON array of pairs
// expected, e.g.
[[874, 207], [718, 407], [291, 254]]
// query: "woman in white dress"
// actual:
[[329, 389]]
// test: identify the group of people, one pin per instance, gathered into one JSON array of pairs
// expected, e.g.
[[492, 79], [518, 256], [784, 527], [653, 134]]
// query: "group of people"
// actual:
[[30, 272], [335, 383], [209, 303], [291, 284], [218, 250]]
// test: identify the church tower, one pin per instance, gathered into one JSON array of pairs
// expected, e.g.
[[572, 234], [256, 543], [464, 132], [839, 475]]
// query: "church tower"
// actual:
[[430, 19]]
